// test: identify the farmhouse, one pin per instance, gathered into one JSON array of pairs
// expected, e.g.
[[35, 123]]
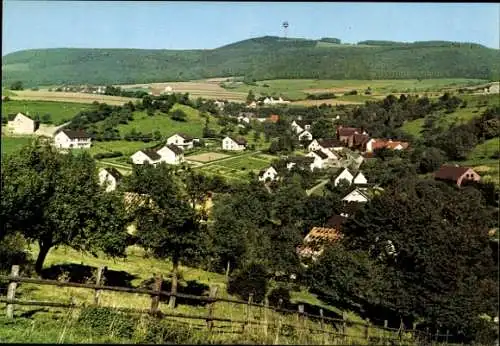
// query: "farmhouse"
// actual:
[[305, 136], [110, 177], [456, 174], [69, 139], [360, 179], [22, 125], [268, 174], [234, 143], [181, 140], [146, 156], [320, 159], [358, 195], [171, 154]]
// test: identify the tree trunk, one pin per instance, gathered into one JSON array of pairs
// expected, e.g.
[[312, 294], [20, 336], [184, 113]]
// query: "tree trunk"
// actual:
[[173, 290], [42, 254]]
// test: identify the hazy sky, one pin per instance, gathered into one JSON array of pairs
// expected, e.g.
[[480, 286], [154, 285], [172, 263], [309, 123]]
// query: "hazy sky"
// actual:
[[183, 25]]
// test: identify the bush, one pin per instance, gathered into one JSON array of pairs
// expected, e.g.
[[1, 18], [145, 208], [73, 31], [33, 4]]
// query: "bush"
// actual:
[[251, 279], [495, 155], [108, 155], [178, 115], [162, 331], [277, 294], [105, 320], [352, 92], [12, 251]]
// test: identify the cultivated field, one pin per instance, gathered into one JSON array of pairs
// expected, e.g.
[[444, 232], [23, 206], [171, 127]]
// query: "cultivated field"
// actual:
[[60, 112], [44, 95], [209, 89], [206, 157]]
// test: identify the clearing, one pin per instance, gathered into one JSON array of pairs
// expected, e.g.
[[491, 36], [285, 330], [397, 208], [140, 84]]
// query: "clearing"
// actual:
[[60, 112], [146, 124]]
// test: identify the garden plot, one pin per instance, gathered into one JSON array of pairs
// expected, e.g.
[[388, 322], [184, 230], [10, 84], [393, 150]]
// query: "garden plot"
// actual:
[[206, 157]]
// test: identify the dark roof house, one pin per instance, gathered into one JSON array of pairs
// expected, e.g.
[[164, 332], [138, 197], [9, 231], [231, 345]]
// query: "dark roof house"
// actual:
[[175, 149], [321, 154], [330, 143], [75, 134], [239, 140], [114, 173], [152, 154]]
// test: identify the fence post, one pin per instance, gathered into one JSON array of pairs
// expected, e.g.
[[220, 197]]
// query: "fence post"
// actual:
[[276, 340], [447, 334], [344, 326], [155, 300], [247, 317], [266, 308], [322, 324], [213, 293], [367, 329], [384, 333], [300, 321], [11, 291], [98, 280]]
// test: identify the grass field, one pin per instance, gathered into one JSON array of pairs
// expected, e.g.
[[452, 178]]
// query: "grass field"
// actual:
[[126, 147], [239, 167], [13, 144], [44, 95], [52, 325], [163, 123], [297, 89], [206, 157], [480, 159], [60, 112]]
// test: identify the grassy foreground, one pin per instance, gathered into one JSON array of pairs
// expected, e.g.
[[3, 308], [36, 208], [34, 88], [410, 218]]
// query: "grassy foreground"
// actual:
[[34, 324]]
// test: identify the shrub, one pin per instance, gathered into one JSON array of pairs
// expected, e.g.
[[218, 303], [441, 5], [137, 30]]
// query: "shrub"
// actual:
[[6, 98], [12, 251], [163, 331], [352, 92], [277, 294], [111, 154], [495, 155], [105, 320], [251, 279], [178, 115]]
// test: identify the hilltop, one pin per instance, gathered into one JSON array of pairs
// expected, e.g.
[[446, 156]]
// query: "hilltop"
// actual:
[[258, 58]]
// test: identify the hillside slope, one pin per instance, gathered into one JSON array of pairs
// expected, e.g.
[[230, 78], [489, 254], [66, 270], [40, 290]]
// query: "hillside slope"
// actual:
[[258, 58]]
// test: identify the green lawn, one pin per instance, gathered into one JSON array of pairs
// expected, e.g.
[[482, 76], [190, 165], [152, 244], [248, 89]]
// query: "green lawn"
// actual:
[[13, 144], [127, 148], [60, 112], [247, 163], [480, 159], [413, 127], [192, 126], [297, 89]]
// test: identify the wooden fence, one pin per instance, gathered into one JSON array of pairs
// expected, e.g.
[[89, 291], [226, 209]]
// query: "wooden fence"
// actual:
[[390, 335]]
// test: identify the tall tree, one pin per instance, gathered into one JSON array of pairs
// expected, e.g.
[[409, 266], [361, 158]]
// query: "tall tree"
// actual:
[[167, 224], [59, 202]]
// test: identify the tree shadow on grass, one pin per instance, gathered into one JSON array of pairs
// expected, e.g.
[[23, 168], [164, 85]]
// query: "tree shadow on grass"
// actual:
[[191, 287], [81, 273]]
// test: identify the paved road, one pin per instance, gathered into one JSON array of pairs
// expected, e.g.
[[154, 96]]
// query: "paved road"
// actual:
[[315, 187]]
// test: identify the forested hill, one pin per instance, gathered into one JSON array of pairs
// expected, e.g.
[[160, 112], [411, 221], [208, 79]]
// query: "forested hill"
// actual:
[[258, 58]]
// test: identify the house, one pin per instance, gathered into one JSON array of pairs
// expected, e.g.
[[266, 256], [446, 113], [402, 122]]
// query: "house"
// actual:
[[22, 125], [234, 143], [300, 162], [219, 104], [359, 141], [331, 144], [305, 136], [268, 174], [345, 175], [346, 134], [360, 179], [358, 195], [181, 140], [320, 159], [146, 156], [315, 241], [171, 154], [110, 177], [253, 104], [70, 139], [456, 174], [299, 126], [243, 119], [374, 144]]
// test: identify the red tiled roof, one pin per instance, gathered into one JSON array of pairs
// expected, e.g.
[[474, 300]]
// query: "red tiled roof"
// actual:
[[322, 234], [448, 172], [274, 118]]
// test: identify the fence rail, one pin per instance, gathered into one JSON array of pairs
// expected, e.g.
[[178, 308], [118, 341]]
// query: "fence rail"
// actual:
[[339, 325]]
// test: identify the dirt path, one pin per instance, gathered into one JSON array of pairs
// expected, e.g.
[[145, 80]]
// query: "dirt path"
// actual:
[[315, 187]]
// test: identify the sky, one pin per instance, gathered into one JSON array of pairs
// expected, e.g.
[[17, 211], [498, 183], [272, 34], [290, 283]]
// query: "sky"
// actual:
[[31, 24]]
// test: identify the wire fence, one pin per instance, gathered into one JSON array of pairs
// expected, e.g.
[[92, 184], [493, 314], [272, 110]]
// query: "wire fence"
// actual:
[[312, 323]]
